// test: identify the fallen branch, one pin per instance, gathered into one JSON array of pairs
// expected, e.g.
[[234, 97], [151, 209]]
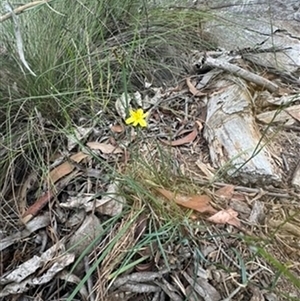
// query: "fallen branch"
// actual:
[[238, 71]]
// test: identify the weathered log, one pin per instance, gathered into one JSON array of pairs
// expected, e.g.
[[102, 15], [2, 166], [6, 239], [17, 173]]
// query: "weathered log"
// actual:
[[266, 34], [235, 143]]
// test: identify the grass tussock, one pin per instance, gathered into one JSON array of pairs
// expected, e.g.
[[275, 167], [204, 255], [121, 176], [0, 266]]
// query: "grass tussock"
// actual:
[[84, 56]]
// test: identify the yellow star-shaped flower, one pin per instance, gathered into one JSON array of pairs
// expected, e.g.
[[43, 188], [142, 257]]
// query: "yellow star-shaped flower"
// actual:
[[137, 118]]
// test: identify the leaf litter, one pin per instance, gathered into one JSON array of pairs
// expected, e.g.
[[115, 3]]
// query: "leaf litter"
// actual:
[[111, 202], [200, 203], [187, 139]]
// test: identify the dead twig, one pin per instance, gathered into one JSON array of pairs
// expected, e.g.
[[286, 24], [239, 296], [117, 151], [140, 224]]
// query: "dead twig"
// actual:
[[204, 294], [21, 9], [262, 50], [168, 289], [249, 190]]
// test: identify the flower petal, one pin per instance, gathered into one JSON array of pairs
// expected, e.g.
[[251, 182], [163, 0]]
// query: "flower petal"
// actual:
[[130, 120], [137, 118], [140, 112], [143, 123]]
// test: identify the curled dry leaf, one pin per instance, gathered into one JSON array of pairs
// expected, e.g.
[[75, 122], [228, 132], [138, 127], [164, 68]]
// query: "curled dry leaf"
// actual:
[[138, 99], [29, 267], [105, 148], [200, 203], [37, 223], [187, 139], [85, 234], [257, 215], [228, 216], [71, 278]]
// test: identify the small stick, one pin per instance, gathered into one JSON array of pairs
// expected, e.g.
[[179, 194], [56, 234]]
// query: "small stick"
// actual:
[[229, 298]]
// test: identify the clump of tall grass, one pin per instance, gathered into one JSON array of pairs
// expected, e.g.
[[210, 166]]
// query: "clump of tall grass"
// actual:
[[84, 56]]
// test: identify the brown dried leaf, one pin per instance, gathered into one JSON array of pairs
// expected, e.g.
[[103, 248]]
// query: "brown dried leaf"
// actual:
[[200, 203], [66, 167], [225, 192], [193, 89], [228, 216], [187, 139], [105, 148]]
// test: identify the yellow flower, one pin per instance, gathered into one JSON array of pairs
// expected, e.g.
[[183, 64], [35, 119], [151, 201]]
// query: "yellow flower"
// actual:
[[137, 118]]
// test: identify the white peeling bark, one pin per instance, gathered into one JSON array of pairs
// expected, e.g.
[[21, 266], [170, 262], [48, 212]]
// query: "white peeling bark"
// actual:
[[296, 177], [234, 140]]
